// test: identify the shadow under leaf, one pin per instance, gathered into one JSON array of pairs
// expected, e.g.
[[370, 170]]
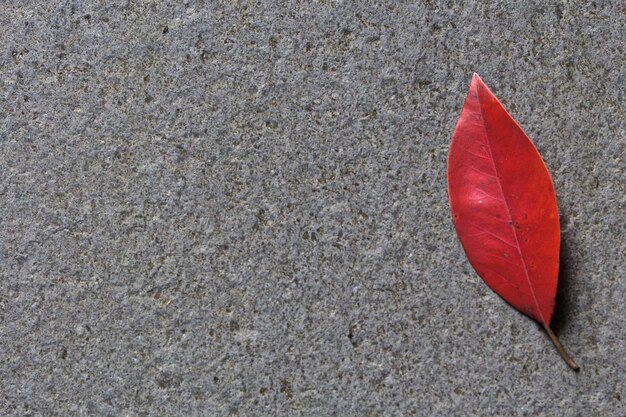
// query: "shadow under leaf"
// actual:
[[564, 298]]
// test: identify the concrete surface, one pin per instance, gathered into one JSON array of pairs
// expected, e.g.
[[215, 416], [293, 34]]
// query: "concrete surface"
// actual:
[[239, 209]]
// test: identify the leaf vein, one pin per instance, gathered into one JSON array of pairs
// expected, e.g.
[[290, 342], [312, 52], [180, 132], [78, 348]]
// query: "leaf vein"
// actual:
[[495, 236], [475, 154], [482, 172]]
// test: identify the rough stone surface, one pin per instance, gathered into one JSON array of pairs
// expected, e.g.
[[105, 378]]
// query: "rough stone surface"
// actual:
[[240, 209]]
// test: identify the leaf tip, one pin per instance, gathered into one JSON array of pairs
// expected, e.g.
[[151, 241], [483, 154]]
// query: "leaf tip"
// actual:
[[476, 80]]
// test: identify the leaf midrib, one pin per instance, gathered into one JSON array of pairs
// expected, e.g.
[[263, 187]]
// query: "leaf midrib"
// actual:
[[508, 210]]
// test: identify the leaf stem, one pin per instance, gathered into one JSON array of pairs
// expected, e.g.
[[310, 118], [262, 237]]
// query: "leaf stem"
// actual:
[[561, 349]]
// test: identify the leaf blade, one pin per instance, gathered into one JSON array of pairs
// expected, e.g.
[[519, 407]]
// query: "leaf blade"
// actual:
[[503, 205]]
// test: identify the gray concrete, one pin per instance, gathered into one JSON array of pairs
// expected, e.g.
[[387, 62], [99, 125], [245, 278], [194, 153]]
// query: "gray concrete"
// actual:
[[220, 210]]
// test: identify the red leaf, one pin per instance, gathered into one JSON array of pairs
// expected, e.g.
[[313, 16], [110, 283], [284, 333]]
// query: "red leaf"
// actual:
[[504, 207]]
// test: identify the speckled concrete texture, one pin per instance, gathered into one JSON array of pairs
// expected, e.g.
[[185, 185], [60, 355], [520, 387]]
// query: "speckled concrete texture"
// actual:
[[240, 209]]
